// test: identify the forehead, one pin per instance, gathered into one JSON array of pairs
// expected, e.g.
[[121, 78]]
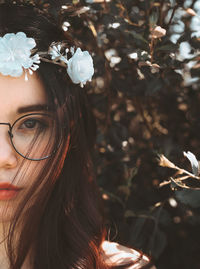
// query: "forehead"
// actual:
[[16, 92]]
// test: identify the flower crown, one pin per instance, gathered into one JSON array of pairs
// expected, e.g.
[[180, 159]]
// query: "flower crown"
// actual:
[[17, 55]]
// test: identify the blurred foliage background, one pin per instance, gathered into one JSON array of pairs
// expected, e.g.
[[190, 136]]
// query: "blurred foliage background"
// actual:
[[146, 98]]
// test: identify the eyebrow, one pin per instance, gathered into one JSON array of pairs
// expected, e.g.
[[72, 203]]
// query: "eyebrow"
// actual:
[[33, 108]]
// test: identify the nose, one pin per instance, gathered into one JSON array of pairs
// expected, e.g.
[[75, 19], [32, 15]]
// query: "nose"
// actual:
[[8, 156]]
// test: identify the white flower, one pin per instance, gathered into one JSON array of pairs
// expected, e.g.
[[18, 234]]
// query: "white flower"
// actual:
[[56, 55], [80, 67], [55, 51], [15, 54]]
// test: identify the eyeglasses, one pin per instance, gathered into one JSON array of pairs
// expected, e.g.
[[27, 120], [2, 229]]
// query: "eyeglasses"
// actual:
[[34, 136]]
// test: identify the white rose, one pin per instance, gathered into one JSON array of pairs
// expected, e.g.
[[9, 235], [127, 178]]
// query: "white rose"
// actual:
[[80, 67]]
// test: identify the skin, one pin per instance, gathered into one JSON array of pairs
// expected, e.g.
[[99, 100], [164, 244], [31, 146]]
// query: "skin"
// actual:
[[14, 94]]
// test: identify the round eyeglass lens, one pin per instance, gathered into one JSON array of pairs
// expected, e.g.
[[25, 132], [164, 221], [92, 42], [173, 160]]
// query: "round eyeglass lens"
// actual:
[[34, 136]]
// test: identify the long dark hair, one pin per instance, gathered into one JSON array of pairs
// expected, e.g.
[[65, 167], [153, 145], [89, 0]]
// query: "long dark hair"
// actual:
[[63, 228]]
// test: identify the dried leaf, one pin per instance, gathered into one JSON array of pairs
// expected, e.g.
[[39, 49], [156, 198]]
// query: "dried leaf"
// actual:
[[163, 161]]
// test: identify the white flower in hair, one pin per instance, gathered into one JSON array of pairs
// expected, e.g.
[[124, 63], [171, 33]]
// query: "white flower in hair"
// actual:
[[15, 54], [56, 55], [80, 67], [54, 51]]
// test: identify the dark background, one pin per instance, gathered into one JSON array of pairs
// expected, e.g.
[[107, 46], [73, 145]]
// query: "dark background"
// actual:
[[145, 104]]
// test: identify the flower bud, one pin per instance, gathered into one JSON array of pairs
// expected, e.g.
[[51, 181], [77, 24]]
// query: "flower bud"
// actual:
[[158, 32]]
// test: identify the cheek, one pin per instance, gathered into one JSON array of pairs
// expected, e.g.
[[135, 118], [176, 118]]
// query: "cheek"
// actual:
[[27, 178], [28, 172], [36, 177]]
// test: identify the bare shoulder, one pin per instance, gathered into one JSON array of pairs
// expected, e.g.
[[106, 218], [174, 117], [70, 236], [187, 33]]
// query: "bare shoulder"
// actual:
[[114, 253]]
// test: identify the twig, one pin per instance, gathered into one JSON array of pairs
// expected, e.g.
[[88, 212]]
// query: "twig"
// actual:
[[172, 15], [161, 13], [53, 62], [164, 162], [164, 183], [183, 186], [151, 46]]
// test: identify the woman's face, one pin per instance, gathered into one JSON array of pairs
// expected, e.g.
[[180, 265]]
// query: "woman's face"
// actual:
[[17, 98]]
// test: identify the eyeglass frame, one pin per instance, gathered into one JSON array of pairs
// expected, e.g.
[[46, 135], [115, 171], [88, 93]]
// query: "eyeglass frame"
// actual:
[[11, 136]]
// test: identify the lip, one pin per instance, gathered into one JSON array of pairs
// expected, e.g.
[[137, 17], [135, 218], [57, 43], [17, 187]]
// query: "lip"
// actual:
[[8, 191]]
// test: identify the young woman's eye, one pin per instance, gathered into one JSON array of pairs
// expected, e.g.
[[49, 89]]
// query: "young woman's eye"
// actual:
[[33, 124], [30, 124]]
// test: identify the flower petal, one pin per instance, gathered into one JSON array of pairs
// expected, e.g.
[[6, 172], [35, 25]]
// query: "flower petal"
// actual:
[[193, 160], [80, 67], [15, 53]]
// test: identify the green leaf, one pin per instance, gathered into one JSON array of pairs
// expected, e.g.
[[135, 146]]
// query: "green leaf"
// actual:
[[157, 243], [169, 47], [138, 36], [146, 235], [153, 19], [189, 197]]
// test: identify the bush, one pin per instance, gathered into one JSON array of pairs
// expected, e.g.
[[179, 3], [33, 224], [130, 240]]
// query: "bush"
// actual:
[[146, 99]]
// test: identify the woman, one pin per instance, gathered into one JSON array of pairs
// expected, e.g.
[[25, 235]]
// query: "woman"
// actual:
[[49, 207]]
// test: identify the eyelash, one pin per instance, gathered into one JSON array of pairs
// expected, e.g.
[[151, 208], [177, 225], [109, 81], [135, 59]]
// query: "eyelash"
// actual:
[[36, 121]]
